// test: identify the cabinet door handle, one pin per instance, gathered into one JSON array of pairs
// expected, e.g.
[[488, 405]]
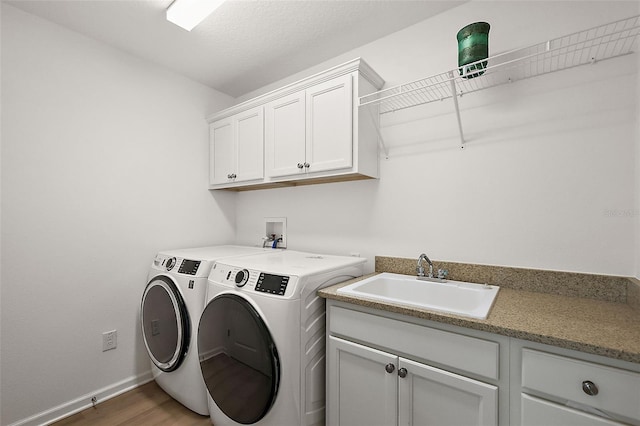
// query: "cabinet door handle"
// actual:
[[389, 368], [307, 165], [402, 373], [589, 388], [300, 165], [229, 176]]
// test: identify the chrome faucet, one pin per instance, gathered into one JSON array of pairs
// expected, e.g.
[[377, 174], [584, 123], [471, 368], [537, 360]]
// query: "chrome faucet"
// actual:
[[420, 268]]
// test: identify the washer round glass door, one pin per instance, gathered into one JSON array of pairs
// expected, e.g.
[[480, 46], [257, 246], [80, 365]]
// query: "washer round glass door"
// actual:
[[238, 358], [165, 323]]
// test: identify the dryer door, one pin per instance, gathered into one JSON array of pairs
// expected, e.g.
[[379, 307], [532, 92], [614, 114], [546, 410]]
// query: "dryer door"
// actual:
[[165, 323], [238, 358]]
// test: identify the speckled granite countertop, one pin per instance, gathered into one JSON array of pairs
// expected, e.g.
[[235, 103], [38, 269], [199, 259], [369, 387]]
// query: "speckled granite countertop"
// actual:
[[610, 329]]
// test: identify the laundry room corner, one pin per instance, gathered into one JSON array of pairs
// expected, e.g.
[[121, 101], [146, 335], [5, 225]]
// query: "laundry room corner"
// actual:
[[104, 163]]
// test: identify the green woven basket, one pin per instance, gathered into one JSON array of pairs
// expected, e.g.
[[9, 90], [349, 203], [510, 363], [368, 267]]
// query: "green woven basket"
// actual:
[[473, 46]]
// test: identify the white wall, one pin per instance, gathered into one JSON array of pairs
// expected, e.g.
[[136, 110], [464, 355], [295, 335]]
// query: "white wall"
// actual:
[[104, 162], [547, 160], [637, 187]]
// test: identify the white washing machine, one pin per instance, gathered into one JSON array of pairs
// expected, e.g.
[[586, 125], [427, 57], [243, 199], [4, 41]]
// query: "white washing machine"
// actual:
[[172, 303], [261, 339]]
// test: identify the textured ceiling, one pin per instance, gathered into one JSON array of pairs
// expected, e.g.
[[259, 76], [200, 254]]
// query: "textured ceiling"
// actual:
[[245, 44]]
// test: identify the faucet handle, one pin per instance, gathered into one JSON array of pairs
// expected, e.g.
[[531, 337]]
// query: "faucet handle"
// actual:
[[420, 271], [442, 273]]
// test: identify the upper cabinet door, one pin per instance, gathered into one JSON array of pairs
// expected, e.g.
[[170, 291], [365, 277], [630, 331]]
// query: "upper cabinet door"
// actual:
[[284, 136], [329, 125], [221, 151], [249, 145]]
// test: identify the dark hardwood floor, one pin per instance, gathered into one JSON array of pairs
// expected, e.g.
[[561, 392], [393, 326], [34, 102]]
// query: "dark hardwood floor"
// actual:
[[145, 405]]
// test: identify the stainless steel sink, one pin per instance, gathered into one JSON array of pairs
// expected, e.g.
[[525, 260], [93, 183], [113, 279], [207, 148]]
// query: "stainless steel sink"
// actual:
[[454, 297]]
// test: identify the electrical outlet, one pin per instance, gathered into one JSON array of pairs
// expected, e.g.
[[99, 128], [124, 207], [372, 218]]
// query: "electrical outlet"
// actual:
[[109, 340]]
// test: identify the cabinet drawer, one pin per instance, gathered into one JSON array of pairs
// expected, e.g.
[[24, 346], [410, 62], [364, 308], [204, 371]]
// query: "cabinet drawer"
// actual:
[[536, 412], [618, 391], [469, 354]]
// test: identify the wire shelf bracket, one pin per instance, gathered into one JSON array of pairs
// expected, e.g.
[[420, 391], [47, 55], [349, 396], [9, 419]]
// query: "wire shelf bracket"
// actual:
[[584, 47], [380, 137]]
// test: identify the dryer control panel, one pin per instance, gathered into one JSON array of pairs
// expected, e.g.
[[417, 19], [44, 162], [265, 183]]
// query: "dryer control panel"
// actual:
[[179, 265], [189, 267]]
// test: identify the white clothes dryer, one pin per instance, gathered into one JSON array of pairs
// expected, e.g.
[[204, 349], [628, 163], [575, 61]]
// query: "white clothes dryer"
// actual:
[[261, 339], [172, 303]]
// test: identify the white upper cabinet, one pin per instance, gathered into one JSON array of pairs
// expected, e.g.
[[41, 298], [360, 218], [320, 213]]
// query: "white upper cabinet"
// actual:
[[285, 135], [313, 132], [221, 149], [329, 144], [236, 146], [249, 145]]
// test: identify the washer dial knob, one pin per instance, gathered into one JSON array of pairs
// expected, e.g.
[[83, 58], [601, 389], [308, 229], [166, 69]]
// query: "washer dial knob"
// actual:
[[171, 262], [242, 277]]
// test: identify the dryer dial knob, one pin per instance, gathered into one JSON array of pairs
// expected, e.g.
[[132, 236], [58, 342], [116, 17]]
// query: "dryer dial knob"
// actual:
[[171, 262], [242, 277]]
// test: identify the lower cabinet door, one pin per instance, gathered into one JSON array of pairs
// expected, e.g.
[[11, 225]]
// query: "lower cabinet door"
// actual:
[[430, 396], [362, 385], [537, 412]]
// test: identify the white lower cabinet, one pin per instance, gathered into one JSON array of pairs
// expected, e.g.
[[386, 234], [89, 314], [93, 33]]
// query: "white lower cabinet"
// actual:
[[558, 390], [538, 412], [372, 387], [391, 369], [431, 396], [369, 385], [362, 391]]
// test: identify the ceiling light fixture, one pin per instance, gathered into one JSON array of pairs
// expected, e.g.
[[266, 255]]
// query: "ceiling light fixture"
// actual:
[[189, 13]]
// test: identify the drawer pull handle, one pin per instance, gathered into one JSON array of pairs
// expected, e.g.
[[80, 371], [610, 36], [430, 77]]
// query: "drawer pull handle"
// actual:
[[402, 373], [589, 388], [389, 368]]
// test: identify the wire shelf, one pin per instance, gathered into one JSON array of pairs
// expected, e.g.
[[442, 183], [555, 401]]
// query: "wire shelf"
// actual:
[[580, 48]]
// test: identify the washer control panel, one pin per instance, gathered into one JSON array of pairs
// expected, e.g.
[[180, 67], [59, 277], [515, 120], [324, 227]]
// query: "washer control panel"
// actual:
[[273, 284], [253, 281]]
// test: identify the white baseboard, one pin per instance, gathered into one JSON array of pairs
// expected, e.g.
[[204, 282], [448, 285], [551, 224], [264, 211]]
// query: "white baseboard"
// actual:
[[75, 406], [211, 353]]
